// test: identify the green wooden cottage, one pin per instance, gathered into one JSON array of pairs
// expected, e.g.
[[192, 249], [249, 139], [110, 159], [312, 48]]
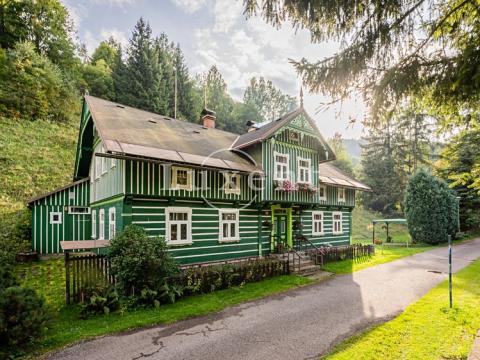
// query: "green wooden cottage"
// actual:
[[212, 194]]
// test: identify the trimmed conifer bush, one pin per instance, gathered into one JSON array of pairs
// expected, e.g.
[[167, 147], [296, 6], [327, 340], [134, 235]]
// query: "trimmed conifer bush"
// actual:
[[431, 209]]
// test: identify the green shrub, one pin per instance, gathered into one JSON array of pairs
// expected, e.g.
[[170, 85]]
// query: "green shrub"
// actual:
[[22, 318], [140, 262], [430, 208], [211, 278], [101, 303], [15, 230]]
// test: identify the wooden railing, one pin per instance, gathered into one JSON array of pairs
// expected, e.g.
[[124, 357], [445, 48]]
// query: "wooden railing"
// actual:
[[325, 255]]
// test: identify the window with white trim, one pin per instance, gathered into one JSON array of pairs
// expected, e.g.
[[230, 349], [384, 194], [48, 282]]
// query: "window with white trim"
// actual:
[[178, 223], [94, 224], [56, 217], [111, 223], [181, 178], [113, 163], [281, 162], [232, 183], [317, 222], [303, 170], [78, 210], [337, 222], [101, 224], [229, 225], [341, 194], [322, 192]]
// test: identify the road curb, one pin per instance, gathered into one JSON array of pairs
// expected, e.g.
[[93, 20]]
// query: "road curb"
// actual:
[[475, 353]]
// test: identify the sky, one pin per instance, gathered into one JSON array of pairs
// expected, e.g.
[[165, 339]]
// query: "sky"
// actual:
[[216, 32]]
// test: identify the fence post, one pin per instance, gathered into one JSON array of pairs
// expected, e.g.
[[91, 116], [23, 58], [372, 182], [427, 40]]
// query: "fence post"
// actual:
[[67, 278]]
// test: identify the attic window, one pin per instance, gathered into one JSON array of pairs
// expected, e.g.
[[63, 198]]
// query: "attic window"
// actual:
[[152, 121], [196, 131], [120, 106]]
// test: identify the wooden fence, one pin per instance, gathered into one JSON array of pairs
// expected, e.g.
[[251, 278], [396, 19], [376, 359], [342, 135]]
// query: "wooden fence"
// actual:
[[325, 255], [85, 273]]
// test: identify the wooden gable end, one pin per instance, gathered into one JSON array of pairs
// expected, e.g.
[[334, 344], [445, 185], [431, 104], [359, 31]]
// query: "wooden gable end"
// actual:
[[302, 131], [84, 145]]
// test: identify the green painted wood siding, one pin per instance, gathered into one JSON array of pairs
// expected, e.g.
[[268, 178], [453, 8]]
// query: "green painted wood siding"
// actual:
[[150, 214], [108, 184], [46, 237], [332, 197], [118, 204], [294, 152], [327, 237], [143, 178]]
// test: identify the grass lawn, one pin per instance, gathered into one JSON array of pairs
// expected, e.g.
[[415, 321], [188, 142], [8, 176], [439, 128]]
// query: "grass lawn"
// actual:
[[381, 256], [427, 329], [47, 277]]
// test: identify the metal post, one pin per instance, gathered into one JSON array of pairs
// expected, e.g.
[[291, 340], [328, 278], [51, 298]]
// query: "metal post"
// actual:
[[450, 270], [373, 234], [175, 101]]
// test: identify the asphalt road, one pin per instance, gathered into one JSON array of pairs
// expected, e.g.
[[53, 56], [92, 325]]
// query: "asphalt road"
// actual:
[[300, 324]]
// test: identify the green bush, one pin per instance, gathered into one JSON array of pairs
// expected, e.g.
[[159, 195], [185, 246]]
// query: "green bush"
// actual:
[[101, 303], [140, 262], [22, 318], [211, 278], [431, 209]]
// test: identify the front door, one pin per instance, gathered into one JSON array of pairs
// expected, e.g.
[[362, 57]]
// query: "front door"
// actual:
[[280, 232]]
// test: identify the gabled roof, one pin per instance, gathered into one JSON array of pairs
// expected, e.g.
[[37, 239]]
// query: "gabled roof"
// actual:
[[57, 190], [269, 129], [330, 174], [129, 131]]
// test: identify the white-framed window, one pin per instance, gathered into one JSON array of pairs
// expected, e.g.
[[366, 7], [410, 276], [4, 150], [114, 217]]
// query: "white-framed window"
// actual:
[[94, 224], [281, 165], [104, 162], [232, 183], [113, 163], [181, 178], [229, 225], [178, 223], [111, 223], [322, 192], [101, 224], [56, 217], [317, 223], [304, 170], [337, 227], [78, 210], [341, 194]]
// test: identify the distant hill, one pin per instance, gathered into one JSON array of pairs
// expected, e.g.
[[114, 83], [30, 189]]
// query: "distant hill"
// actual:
[[353, 148]]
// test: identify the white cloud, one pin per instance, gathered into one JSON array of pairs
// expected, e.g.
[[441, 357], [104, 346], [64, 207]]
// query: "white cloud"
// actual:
[[190, 6], [92, 41], [114, 2]]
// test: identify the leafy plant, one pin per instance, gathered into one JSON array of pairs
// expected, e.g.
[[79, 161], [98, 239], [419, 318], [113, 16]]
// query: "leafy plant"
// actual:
[[101, 303], [138, 261], [22, 318]]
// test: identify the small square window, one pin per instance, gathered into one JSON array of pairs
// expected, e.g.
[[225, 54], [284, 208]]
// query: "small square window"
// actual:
[[56, 218], [181, 178]]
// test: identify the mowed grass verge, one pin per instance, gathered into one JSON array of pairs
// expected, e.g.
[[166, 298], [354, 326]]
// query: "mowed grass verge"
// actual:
[[427, 329], [65, 327]]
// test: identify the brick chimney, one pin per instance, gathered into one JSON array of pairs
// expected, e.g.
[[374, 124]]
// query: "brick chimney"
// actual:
[[208, 118]]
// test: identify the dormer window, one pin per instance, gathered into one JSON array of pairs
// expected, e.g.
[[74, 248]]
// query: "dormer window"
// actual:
[[232, 183], [303, 170], [281, 166], [181, 178]]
